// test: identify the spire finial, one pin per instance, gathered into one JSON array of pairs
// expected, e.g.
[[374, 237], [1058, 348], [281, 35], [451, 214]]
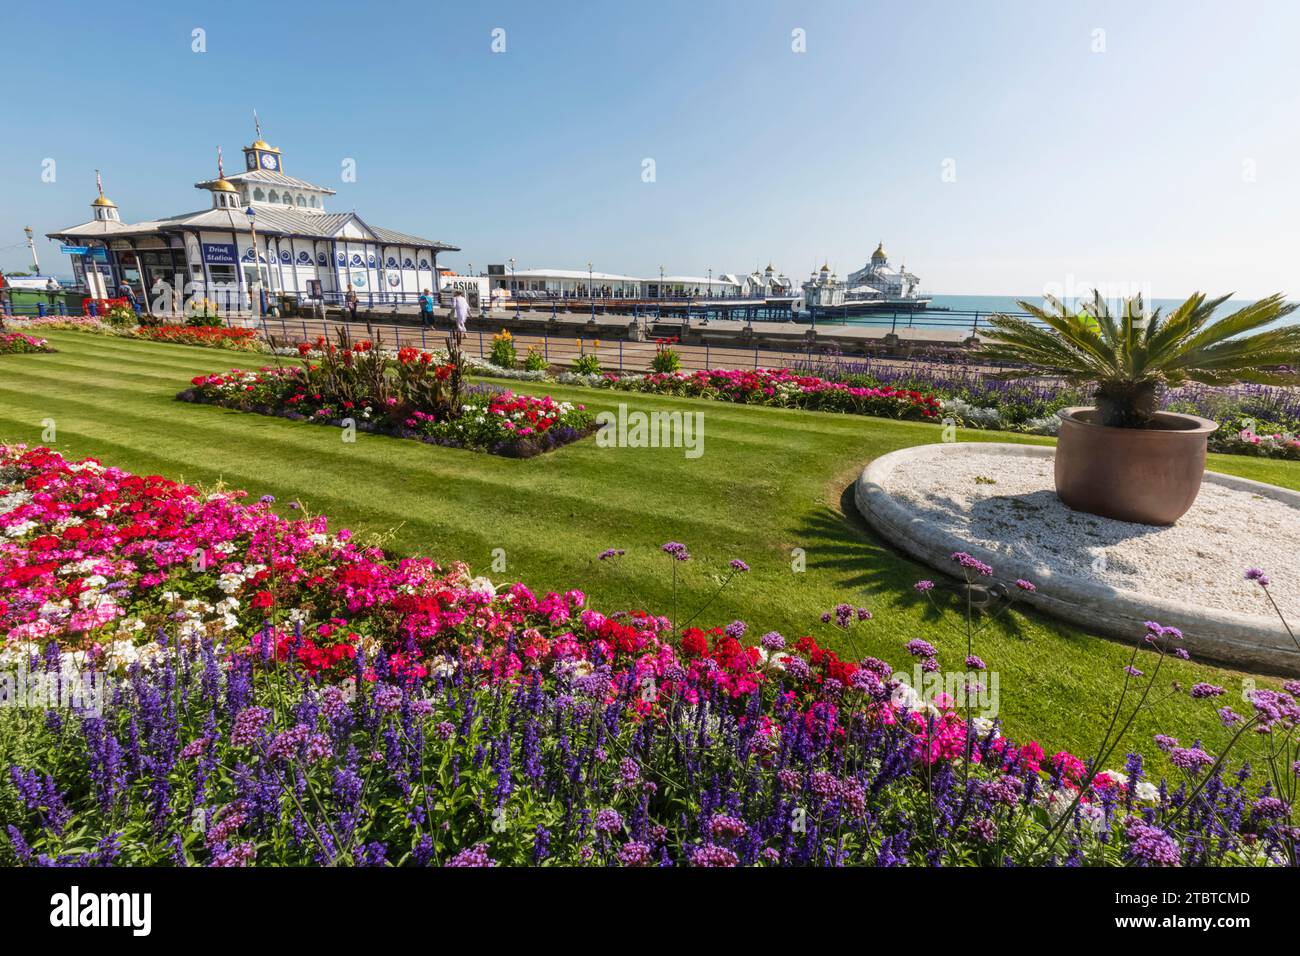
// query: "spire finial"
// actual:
[[257, 124], [221, 170], [99, 184]]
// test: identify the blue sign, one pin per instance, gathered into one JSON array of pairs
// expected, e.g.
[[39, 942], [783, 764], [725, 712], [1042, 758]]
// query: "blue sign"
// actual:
[[74, 250], [219, 253], [98, 252]]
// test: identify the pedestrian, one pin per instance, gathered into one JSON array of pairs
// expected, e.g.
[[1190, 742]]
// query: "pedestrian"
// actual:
[[351, 300], [460, 312], [124, 291], [426, 309], [51, 290]]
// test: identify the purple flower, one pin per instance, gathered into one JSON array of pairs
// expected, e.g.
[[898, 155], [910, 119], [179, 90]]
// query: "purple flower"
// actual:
[[772, 641], [1201, 690], [976, 663], [635, 854], [735, 629], [711, 855], [1190, 758], [1258, 576], [677, 550], [248, 725], [724, 827], [1151, 846], [610, 553], [970, 563], [739, 565], [1024, 585], [608, 821], [923, 586], [919, 648], [477, 855]]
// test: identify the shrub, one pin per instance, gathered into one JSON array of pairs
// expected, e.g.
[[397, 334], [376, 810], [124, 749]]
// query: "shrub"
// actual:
[[587, 364], [535, 360], [666, 359], [503, 350]]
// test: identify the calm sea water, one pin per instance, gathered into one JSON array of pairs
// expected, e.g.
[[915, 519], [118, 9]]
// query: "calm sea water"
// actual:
[[989, 304]]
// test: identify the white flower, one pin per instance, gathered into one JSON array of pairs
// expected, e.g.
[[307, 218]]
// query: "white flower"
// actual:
[[1147, 791]]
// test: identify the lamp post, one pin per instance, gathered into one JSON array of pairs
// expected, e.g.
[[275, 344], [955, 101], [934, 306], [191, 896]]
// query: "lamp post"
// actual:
[[251, 213], [591, 292], [514, 287], [36, 263], [661, 282]]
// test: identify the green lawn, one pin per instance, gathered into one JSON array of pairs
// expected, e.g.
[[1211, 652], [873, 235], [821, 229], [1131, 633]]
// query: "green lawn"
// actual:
[[769, 481]]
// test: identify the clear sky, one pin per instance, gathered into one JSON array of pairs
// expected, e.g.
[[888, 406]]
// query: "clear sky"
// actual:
[[995, 146]]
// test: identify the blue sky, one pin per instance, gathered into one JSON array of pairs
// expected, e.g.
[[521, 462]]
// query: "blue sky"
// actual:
[[1170, 160]]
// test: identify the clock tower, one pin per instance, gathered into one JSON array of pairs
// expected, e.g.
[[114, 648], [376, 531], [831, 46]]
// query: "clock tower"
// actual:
[[261, 154]]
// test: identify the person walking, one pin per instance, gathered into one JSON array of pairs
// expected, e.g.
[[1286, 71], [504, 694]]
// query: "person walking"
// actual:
[[351, 300], [426, 309], [124, 291], [460, 312]]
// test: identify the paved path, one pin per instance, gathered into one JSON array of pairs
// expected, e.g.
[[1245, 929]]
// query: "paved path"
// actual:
[[562, 348]]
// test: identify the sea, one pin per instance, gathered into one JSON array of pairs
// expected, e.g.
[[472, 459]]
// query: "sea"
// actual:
[[951, 310]]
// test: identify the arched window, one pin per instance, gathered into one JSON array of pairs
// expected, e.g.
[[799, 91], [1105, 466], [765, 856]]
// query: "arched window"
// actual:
[[288, 200], [315, 202], [302, 201], [259, 194], [275, 196]]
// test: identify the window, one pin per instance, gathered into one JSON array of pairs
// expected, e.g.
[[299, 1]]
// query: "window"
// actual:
[[288, 200], [301, 200], [315, 202], [259, 194], [274, 197]]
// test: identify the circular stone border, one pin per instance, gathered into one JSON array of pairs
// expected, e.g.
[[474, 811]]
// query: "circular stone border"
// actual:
[[1256, 643]]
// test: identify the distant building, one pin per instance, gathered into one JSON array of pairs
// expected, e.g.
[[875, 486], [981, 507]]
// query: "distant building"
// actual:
[[879, 278], [211, 251]]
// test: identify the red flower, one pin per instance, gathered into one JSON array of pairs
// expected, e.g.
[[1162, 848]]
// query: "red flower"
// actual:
[[694, 642], [263, 599]]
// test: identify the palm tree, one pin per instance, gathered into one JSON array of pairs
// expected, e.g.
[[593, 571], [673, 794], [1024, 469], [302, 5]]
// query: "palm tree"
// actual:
[[1129, 359]]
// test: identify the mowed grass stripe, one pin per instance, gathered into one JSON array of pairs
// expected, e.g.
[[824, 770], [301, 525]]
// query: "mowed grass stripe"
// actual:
[[430, 470]]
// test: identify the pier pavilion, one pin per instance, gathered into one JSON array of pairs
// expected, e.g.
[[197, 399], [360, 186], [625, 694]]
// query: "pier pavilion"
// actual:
[[264, 229]]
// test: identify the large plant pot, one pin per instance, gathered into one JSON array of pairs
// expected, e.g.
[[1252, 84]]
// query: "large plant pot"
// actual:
[[1145, 475]]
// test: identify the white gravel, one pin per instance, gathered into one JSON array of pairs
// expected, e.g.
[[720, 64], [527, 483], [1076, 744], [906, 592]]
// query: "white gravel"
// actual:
[[1200, 560]]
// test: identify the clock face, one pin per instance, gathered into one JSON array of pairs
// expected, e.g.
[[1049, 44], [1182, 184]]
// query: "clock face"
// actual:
[[269, 161]]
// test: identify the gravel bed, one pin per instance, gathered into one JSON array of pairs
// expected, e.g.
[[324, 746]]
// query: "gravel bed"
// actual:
[[1008, 505]]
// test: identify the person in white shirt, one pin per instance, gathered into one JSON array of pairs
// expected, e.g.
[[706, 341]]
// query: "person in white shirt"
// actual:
[[460, 312]]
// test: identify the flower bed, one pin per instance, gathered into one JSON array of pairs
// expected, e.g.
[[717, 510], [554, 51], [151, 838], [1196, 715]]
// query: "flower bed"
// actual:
[[272, 693], [976, 398], [16, 343], [410, 396], [783, 388], [232, 339], [216, 336]]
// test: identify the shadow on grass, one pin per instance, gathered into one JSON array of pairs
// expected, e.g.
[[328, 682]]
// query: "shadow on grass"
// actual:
[[843, 544]]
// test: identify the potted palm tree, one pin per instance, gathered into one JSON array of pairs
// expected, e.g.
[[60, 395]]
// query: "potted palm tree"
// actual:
[[1122, 457]]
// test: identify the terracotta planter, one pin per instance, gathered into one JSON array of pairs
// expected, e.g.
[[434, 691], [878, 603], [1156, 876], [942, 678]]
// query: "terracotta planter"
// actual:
[[1145, 475]]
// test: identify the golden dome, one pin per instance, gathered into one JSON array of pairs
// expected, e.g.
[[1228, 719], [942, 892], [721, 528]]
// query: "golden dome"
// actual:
[[224, 186], [263, 144], [102, 200], [826, 267], [880, 251]]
